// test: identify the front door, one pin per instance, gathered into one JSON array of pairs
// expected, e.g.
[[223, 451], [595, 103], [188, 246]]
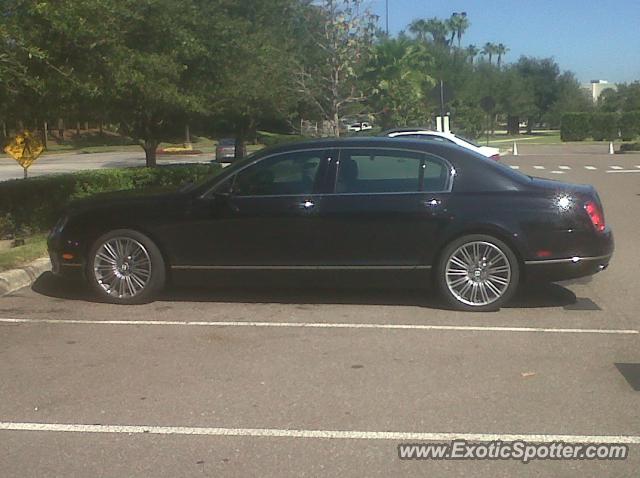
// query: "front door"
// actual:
[[268, 217]]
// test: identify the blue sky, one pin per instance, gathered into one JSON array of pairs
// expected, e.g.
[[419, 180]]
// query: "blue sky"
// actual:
[[594, 39]]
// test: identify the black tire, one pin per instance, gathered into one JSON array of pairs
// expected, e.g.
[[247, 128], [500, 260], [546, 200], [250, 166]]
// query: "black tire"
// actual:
[[456, 299], [154, 278]]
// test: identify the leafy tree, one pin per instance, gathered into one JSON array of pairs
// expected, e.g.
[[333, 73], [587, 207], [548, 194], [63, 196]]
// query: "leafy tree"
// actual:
[[399, 81], [345, 41]]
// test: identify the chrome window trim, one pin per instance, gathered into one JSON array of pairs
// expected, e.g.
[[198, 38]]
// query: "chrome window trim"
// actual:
[[337, 149]]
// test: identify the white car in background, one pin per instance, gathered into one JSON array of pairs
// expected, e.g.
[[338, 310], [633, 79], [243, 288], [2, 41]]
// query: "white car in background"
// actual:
[[428, 135], [355, 127]]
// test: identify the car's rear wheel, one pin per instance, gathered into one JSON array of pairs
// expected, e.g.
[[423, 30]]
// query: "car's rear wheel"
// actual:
[[125, 267], [477, 273]]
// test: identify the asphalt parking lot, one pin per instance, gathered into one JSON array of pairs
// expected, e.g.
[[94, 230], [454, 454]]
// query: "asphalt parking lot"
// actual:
[[310, 382]]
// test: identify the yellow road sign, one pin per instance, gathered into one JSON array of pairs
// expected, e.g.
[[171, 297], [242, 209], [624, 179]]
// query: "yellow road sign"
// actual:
[[25, 148]]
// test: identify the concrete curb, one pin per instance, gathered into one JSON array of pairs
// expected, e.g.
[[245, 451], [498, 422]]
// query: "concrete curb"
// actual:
[[15, 279]]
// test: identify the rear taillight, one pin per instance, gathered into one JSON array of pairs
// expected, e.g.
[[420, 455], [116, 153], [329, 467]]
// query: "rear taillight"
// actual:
[[596, 215], [496, 157]]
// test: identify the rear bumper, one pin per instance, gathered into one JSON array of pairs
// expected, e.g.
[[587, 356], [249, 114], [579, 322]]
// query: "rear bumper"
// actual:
[[564, 269]]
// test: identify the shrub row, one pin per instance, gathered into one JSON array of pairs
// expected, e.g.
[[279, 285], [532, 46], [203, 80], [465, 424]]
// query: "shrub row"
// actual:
[[600, 126], [33, 205]]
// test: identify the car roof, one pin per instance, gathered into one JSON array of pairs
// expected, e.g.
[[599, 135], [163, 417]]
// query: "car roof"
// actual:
[[363, 142], [415, 130]]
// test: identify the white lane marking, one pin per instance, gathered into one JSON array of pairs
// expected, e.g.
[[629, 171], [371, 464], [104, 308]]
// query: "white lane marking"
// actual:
[[564, 167], [624, 171], [514, 167], [638, 166], [323, 434], [590, 168], [557, 172], [617, 167], [538, 167], [319, 325]]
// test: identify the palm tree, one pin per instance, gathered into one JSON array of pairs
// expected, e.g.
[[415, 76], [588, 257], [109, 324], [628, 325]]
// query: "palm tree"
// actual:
[[458, 25], [472, 52], [500, 50], [489, 49], [432, 28]]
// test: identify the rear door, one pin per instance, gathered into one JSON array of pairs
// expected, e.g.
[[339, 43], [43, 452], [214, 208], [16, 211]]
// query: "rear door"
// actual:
[[386, 207]]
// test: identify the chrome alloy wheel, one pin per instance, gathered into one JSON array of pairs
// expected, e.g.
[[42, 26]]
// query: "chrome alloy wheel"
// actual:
[[478, 273], [122, 267]]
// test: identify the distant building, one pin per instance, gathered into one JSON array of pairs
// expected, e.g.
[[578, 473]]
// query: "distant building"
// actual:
[[596, 87]]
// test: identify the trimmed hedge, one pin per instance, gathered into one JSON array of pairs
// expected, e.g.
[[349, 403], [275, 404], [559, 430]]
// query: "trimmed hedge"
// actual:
[[603, 126], [629, 124], [33, 205], [624, 147], [600, 126], [274, 139], [575, 126]]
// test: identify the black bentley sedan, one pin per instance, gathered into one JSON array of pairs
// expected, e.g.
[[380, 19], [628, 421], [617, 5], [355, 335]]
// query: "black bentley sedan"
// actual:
[[470, 226]]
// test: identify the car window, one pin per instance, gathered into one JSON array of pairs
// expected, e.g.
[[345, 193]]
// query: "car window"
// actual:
[[388, 171], [286, 174]]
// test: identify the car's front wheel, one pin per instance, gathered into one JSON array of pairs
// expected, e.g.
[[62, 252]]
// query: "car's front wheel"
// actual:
[[125, 267], [477, 273]]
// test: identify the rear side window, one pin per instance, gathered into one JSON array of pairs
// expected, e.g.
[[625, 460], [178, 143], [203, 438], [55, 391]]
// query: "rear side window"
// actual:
[[389, 171]]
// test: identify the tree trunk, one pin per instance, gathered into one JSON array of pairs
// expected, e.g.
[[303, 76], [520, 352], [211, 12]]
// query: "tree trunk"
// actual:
[[240, 145], [187, 137], [530, 125], [513, 125], [4, 129], [45, 135], [336, 124], [61, 129], [78, 128], [150, 146]]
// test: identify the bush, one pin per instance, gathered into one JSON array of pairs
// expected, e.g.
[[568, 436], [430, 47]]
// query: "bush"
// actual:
[[604, 126], [575, 126], [274, 139], [629, 125], [33, 205], [629, 147]]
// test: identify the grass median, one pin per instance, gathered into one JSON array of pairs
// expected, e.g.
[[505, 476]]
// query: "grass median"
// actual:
[[34, 248]]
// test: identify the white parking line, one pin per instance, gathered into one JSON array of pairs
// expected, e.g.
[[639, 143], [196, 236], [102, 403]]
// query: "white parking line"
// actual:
[[617, 167], [514, 167], [319, 325], [557, 172], [590, 168], [321, 434], [624, 171], [638, 166], [564, 167], [538, 167]]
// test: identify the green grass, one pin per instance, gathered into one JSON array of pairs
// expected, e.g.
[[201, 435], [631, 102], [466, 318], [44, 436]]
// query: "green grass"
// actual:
[[34, 248], [542, 137]]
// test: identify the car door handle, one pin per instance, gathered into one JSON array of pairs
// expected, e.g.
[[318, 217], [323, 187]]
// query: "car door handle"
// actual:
[[307, 205], [432, 203]]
